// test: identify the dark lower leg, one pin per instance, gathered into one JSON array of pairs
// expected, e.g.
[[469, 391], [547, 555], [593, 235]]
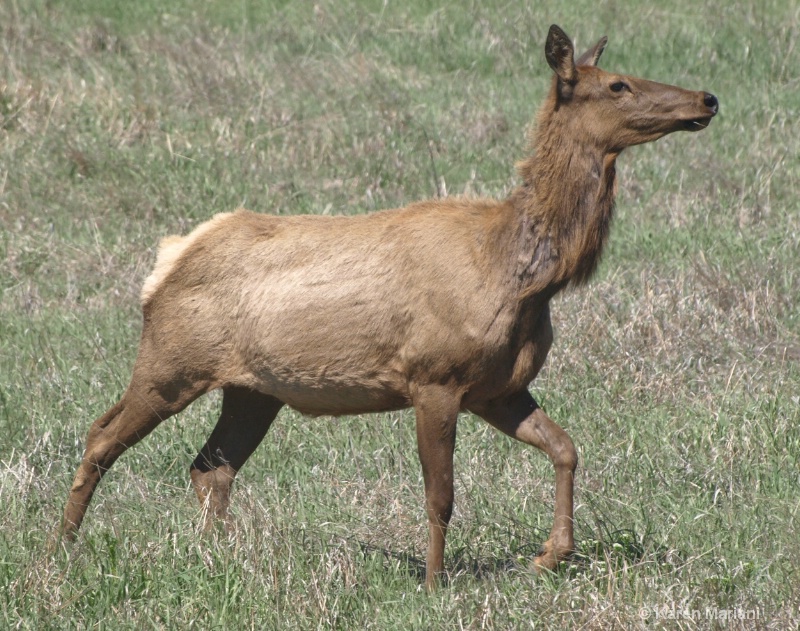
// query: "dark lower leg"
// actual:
[[245, 418]]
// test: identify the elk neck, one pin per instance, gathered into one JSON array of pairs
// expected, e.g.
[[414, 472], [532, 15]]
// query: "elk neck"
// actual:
[[564, 204]]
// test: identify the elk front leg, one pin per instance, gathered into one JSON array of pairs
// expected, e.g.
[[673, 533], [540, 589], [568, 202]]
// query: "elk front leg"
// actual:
[[436, 408], [520, 417]]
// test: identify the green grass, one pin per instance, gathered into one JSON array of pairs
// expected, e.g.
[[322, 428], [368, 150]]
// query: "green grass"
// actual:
[[676, 371]]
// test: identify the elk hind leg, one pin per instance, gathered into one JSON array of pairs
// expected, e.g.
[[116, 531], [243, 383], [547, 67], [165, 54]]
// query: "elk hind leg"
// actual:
[[147, 402], [243, 422]]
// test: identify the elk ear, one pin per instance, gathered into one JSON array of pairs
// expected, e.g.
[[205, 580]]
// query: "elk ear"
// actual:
[[590, 57], [560, 55]]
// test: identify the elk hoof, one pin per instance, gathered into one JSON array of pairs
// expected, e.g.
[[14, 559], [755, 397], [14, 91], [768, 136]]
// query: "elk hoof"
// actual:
[[549, 556], [544, 563]]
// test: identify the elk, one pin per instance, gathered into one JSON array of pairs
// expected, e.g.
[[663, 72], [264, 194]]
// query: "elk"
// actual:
[[442, 306]]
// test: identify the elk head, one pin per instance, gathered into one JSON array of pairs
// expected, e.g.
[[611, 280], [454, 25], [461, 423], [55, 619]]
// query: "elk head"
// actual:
[[616, 111]]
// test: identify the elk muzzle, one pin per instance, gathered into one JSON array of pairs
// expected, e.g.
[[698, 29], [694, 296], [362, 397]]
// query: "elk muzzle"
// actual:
[[696, 124]]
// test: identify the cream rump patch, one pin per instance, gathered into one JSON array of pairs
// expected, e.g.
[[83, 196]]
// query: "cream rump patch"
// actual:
[[169, 252]]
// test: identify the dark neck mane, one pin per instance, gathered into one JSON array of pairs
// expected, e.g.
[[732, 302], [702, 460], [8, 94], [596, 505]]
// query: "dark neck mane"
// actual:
[[565, 203]]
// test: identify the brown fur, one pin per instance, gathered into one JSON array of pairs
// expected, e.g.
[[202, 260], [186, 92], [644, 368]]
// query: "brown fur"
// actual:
[[442, 305]]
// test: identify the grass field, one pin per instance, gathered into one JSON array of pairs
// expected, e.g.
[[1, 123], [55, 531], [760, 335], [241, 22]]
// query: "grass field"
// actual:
[[676, 371]]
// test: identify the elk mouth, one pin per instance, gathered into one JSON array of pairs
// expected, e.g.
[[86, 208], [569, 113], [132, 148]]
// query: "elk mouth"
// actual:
[[696, 124]]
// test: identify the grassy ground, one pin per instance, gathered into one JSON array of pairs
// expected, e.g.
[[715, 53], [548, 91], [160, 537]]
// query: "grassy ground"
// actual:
[[677, 371]]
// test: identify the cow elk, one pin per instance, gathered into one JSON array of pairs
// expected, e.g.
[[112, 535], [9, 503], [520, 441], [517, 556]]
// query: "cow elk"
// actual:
[[442, 306]]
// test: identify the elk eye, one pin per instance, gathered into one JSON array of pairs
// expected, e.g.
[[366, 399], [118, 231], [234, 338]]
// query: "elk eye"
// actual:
[[619, 86]]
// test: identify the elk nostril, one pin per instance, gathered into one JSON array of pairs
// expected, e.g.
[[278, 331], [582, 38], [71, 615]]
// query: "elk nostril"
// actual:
[[709, 100]]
